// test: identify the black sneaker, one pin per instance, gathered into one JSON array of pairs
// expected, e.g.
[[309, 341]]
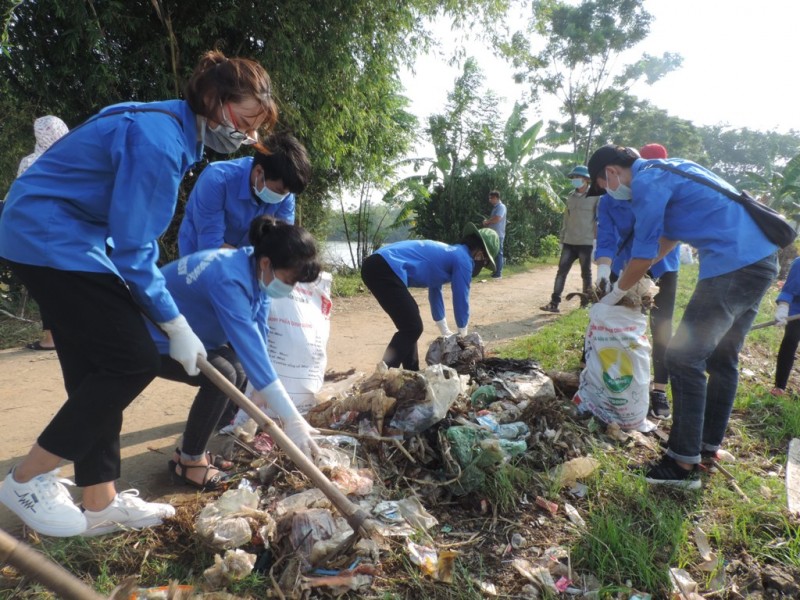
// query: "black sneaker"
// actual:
[[670, 473], [550, 307], [707, 457], [659, 406]]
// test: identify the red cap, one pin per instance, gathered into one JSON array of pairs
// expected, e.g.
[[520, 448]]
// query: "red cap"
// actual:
[[653, 151]]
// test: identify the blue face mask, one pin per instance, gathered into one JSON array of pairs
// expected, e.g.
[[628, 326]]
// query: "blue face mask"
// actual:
[[276, 288], [577, 183], [622, 191], [267, 196]]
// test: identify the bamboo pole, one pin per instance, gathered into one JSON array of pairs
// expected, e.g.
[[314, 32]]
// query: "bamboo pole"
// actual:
[[39, 567]]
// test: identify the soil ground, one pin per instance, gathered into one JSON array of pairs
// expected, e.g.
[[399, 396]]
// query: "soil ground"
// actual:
[[31, 387]]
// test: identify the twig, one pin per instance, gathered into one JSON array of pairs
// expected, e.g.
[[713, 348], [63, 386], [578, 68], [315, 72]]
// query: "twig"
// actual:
[[731, 478], [464, 543], [13, 316], [360, 436]]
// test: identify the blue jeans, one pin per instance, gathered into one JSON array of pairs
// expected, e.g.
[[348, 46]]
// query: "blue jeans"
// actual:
[[499, 259], [708, 340]]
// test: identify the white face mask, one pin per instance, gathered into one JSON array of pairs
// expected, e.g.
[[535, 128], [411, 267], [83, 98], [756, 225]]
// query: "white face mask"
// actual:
[[276, 288], [621, 192], [577, 183], [266, 195]]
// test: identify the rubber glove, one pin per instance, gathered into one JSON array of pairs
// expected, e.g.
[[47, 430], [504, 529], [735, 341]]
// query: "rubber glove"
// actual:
[[277, 399], [781, 314], [603, 274], [614, 296], [462, 331], [443, 328], [184, 345]]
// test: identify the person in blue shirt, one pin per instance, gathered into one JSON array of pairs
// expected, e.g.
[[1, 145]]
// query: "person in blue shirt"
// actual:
[[225, 295], [115, 176], [229, 194], [787, 304], [614, 234], [392, 269], [497, 221], [738, 263]]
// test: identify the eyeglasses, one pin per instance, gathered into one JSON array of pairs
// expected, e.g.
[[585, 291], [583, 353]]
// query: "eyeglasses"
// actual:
[[237, 135]]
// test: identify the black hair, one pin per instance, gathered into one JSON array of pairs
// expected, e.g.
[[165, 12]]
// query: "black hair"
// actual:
[[494, 194], [288, 161], [287, 246]]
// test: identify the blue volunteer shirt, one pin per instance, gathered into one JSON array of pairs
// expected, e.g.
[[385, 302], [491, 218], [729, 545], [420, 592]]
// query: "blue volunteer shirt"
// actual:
[[615, 222], [790, 292], [430, 264], [222, 205], [667, 204], [115, 176], [218, 293]]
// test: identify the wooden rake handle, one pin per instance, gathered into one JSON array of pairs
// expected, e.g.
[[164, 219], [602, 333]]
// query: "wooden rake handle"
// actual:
[[40, 568], [356, 517]]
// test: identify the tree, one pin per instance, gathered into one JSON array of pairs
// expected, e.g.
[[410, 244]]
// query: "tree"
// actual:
[[733, 153], [334, 65], [577, 63], [636, 122]]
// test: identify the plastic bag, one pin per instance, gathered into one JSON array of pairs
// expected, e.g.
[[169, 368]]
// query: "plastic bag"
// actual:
[[614, 385], [299, 328], [443, 385]]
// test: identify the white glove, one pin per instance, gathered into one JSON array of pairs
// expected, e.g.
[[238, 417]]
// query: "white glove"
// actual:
[[615, 295], [462, 331], [184, 345], [277, 399], [443, 328], [603, 274], [781, 314]]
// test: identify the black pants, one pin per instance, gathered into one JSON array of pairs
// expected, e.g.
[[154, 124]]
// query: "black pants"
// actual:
[[107, 358], [210, 403], [569, 254], [661, 323], [395, 299], [791, 338]]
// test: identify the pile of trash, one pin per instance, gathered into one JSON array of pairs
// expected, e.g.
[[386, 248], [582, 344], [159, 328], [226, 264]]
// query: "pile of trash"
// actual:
[[393, 442]]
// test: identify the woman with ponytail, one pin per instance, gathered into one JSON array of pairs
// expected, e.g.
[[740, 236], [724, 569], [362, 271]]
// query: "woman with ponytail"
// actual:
[[225, 295], [116, 175]]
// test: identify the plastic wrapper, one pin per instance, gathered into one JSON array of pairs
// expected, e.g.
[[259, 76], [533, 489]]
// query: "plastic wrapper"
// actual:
[[223, 523], [443, 386], [313, 498], [355, 482], [237, 564]]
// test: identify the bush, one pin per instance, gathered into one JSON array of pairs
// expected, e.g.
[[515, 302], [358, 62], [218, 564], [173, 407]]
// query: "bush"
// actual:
[[549, 246]]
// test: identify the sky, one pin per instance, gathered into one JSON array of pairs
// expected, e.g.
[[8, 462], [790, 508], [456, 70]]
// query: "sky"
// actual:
[[738, 65]]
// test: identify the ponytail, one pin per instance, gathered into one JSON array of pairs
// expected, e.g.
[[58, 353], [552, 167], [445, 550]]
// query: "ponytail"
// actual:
[[287, 246]]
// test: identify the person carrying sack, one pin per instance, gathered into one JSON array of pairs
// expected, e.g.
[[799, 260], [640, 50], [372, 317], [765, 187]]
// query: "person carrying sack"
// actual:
[[738, 263]]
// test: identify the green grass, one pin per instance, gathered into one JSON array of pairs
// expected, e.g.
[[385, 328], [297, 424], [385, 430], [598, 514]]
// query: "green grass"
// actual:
[[636, 533]]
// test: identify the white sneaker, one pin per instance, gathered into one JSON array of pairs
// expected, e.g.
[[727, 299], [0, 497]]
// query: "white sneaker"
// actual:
[[126, 511], [44, 504]]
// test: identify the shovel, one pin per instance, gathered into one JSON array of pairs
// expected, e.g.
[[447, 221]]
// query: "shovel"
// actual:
[[773, 322], [357, 519]]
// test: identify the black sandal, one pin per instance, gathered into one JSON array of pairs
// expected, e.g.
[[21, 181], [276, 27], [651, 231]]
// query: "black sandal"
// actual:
[[215, 460], [217, 481]]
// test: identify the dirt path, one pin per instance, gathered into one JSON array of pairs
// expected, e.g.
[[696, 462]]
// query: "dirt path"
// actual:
[[31, 389]]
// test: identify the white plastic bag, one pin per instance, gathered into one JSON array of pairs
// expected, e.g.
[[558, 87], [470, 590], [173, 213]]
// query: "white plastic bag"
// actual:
[[685, 254], [614, 385], [299, 328]]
